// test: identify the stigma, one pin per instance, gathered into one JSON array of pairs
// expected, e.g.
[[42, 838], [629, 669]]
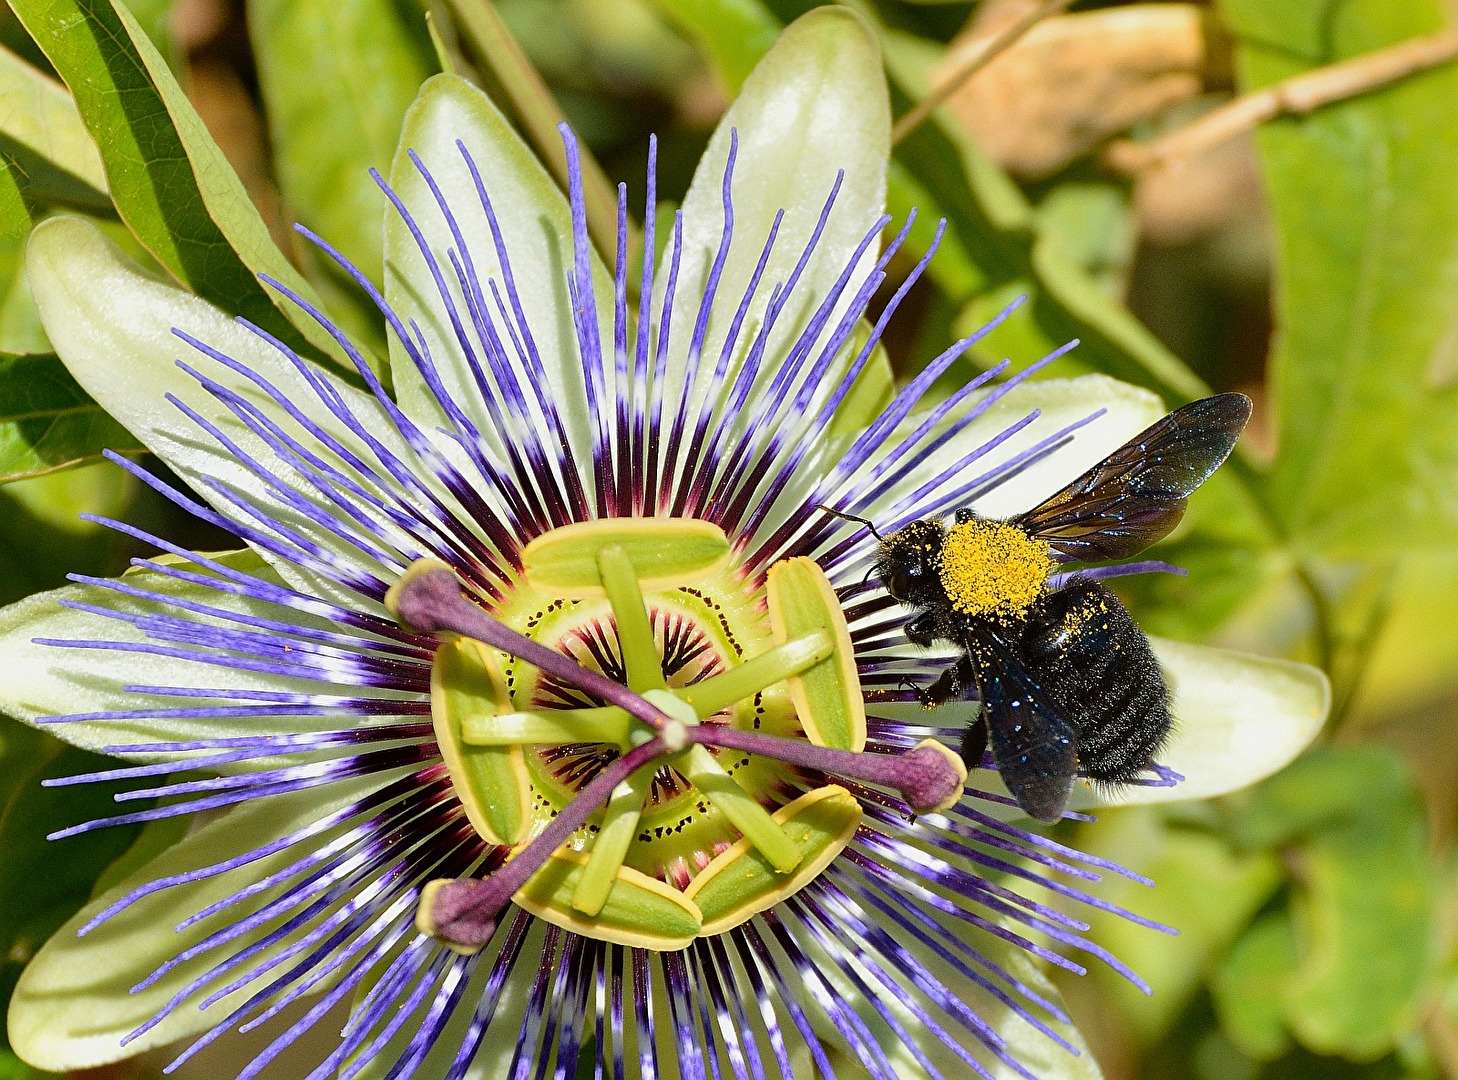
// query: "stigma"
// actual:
[[994, 569]]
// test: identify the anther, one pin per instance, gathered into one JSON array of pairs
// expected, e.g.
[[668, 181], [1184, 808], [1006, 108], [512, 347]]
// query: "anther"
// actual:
[[463, 913], [428, 597], [929, 777]]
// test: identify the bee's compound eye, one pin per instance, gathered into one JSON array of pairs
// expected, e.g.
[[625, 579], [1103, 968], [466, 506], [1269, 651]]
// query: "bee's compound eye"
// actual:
[[903, 579]]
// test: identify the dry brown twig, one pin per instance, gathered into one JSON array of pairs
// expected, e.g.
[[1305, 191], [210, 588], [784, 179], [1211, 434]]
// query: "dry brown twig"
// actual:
[[1295, 96], [998, 45]]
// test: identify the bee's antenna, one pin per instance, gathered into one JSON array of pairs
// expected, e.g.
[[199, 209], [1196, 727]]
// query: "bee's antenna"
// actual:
[[852, 517]]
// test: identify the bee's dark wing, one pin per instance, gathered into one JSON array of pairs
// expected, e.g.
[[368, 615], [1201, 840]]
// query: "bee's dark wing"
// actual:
[[1137, 494], [1032, 741]]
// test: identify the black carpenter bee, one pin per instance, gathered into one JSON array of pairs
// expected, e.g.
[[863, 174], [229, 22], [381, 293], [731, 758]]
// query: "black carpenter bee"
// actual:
[[1067, 681]]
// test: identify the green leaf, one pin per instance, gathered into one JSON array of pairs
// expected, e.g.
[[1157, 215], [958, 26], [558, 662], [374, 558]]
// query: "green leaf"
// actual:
[[47, 422], [1365, 888], [336, 81], [1251, 984], [734, 34], [170, 182], [1365, 367], [1091, 225], [17, 211], [40, 116]]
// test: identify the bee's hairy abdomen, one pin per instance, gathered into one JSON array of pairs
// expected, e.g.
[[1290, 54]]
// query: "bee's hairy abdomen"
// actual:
[[1097, 666]]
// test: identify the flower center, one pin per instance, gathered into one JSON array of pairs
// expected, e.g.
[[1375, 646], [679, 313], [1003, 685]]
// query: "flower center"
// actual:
[[994, 569], [696, 631], [649, 734]]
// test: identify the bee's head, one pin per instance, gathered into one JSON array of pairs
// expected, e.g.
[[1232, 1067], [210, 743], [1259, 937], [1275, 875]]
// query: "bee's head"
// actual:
[[910, 562]]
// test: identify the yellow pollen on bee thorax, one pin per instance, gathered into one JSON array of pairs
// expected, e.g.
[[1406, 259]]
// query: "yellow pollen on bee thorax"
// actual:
[[994, 569]]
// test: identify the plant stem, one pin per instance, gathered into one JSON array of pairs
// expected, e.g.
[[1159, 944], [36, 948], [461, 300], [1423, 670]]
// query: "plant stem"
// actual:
[[1295, 96], [1000, 44]]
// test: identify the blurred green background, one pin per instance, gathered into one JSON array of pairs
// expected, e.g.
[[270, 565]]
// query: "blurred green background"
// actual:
[[1312, 263]]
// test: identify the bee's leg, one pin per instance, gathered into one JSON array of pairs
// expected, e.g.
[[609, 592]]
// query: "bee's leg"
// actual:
[[974, 743], [922, 630], [949, 685]]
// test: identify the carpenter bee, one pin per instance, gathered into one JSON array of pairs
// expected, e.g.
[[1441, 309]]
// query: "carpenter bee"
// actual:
[[1067, 681]]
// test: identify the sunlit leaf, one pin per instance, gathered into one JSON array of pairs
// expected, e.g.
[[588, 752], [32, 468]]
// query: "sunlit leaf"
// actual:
[[169, 179], [1365, 366], [47, 421], [336, 81]]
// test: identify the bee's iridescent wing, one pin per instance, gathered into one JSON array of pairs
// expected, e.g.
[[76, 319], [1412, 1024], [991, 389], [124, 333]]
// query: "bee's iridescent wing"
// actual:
[[1137, 494], [1032, 742]]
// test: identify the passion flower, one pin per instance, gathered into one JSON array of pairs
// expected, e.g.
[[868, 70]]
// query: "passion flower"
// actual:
[[550, 716]]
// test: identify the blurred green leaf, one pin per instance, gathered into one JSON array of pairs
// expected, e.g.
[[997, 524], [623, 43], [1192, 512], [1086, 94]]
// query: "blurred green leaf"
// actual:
[[47, 421], [170, 182], [1090, 224], [1364, 368], [734, 34], [158, 18], [1355, 830], [1205, 890], [336, 81], [1251, 985], [43, 883]]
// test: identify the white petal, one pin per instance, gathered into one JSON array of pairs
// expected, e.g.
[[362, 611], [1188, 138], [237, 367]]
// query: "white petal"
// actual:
[[536, 228], [47, 680], [1125, 411], [814, 105], [1238, 719], [73, 1004], [1030, 1047], [112, 325]]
